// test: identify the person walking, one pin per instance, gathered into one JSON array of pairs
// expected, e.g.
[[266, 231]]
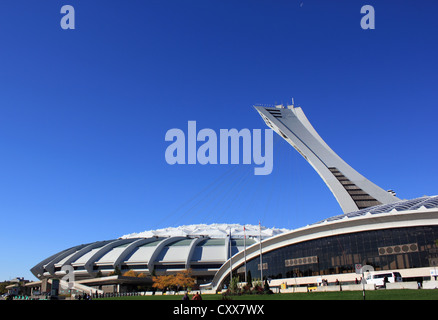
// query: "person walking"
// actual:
[[197, 296]]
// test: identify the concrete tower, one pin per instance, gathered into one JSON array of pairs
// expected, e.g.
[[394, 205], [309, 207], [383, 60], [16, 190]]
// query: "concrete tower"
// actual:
[[352, 190]]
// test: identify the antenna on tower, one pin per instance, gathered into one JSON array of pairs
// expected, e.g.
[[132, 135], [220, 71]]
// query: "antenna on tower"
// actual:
[[291, 106]]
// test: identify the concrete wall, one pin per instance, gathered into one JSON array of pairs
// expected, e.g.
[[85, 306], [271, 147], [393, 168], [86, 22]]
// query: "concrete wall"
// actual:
[[402, 285], [433, 284]]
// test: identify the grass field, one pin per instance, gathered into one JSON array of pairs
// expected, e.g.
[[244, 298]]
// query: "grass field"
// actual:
[[344, 295]]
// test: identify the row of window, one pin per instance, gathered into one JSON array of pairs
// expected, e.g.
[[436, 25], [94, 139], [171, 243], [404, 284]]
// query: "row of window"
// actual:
[[145, 267], [401, 248]]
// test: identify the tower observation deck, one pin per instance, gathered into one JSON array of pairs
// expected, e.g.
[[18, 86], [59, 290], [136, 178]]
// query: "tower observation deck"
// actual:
[[352, 190]]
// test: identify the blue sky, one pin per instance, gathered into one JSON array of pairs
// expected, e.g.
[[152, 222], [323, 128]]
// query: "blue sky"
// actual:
[[84, 112]]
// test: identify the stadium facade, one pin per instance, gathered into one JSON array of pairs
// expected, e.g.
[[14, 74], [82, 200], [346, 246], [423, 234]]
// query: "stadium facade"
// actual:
[[402, 236], [376, 229]]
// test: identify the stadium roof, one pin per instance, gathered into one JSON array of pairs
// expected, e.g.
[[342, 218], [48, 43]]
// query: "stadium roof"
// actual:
[[427, 202], [215, 230]]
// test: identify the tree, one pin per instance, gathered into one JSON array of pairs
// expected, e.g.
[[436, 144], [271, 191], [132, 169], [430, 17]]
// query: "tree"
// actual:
[[130, 273], [181, 279], [163, 282], [234, 287], [249, 278], [266, 286], [116, 272]]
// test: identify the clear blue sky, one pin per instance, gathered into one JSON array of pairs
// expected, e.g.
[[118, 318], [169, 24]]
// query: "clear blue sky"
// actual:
[[84, 112]]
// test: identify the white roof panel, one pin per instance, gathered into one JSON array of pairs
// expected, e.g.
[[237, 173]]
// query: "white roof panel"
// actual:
[[209, 253], [141, 254]]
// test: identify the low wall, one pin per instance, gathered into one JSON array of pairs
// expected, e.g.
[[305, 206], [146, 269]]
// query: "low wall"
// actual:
[[402, 285], [292, 290], [359, 287], [349, 287], [433, 284], [328, 288]]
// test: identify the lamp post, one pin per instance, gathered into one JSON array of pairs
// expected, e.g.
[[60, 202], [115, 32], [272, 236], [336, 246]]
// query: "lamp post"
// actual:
[[261, 257]]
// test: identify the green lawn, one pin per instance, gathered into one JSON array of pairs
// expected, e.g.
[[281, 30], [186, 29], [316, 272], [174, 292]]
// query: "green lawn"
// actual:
[[345, 295]]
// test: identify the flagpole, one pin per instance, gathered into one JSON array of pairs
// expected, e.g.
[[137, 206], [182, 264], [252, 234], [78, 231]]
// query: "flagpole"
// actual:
[[231, 266], [244, 252], [261, 258]]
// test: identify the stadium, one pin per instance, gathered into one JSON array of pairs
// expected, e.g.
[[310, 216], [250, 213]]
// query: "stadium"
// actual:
[[376, 229], [201, 248]]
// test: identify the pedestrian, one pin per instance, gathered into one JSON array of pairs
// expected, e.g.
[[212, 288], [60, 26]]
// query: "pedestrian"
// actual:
[[185, 297], [385, 281], [197, 296]]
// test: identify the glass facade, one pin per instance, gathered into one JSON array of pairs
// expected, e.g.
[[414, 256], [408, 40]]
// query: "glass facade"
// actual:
[[398, 248]]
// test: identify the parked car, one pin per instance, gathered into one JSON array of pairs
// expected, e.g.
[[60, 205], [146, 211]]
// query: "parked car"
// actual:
[[380, 279]]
